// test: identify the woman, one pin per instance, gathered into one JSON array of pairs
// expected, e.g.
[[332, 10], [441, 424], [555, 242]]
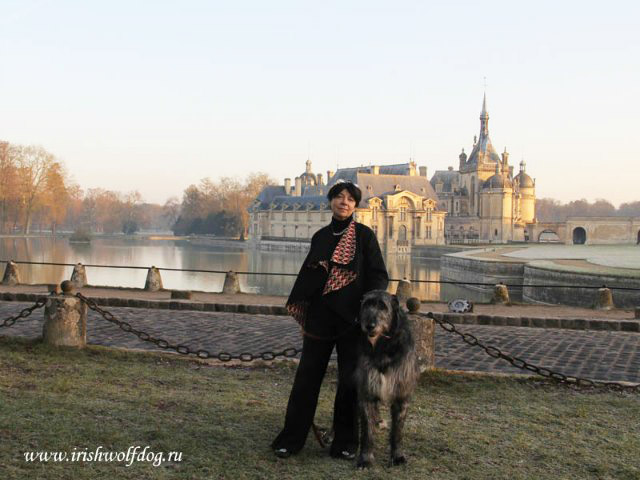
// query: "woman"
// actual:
[[344, 262]]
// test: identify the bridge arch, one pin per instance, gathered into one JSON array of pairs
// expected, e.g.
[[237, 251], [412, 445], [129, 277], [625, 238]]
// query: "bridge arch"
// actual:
[[579, 236], [548, 236]]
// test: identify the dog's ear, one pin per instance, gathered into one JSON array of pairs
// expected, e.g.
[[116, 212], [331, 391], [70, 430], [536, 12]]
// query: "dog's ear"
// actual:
[[395, 303]]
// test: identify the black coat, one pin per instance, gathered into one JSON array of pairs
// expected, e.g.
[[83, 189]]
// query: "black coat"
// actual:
[[367, 265]]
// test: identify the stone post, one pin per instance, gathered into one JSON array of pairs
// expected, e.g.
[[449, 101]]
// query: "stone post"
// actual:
[[231, 283], [423, 336], [154, 280], [501, 295], [11, 274], [604, 299], [403, 291], [65, 319], [79, 276]]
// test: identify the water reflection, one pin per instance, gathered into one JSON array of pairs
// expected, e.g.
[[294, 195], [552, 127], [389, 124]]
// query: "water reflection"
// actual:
[[182, 254]]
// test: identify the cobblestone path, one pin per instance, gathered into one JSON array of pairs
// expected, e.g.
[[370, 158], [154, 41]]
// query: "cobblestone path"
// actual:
[[613, 356]]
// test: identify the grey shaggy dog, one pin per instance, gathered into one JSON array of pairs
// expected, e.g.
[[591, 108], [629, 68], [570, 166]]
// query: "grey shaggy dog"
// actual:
[[387, 371]]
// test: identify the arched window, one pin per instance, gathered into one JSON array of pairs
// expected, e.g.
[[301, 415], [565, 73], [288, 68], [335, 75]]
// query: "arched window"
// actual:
[[404, 207], [402, 233]]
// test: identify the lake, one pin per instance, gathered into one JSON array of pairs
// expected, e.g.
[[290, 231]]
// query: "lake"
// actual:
[[183, 254]]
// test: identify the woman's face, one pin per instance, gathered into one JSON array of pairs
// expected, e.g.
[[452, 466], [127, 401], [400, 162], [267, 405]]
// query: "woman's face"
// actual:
[[343, 205]]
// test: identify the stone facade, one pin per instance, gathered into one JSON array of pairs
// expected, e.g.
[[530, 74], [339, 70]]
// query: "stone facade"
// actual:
[[484, 201], [398, 203], [589, 231]]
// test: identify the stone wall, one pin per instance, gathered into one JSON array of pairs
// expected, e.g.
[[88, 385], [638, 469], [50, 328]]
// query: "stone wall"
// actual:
[[458, 267], [581, 297]]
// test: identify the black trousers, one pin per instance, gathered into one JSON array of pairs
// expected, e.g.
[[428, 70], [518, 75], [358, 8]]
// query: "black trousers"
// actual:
[[306, 386]]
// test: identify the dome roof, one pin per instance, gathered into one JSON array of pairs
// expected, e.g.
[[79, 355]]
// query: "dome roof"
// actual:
[[498, 181], [524, 180], [308, 178]]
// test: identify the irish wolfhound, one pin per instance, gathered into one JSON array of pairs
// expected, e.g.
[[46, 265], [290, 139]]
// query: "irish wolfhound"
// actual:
[[387, 371]]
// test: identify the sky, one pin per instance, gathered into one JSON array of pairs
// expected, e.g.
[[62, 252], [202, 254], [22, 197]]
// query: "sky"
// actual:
[[155, 96]]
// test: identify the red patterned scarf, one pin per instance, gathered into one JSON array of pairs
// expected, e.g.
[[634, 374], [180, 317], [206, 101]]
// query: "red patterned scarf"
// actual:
[[339, 277], [343, 254]]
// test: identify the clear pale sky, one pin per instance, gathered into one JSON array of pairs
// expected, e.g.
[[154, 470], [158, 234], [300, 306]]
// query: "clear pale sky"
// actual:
[[154, 96]]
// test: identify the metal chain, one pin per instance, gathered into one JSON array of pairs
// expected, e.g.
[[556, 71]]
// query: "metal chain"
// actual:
[[24, 313], [185, 349], [292, 351], [524, 365]]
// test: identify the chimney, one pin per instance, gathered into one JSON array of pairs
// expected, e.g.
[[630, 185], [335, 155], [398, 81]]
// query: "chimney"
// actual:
[[298, 192], [423, 171], [375, 169], [319, 177], [287, 186]]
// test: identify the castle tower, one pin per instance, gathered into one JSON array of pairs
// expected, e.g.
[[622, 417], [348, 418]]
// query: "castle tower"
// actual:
[[527, 189]]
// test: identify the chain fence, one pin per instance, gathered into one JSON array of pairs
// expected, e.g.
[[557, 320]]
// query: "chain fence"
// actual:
[[284, 274], [24, 313], [267, 355], [291, 352], [517, 362]]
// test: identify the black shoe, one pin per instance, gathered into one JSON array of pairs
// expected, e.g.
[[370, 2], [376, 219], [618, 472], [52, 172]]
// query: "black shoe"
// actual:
[[344, 455], [282, 452]]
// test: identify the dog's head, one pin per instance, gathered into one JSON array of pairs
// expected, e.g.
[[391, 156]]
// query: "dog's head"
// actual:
[[378, 311]]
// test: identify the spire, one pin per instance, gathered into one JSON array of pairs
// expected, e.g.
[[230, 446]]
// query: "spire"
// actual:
[[484, 118], [483, 152]]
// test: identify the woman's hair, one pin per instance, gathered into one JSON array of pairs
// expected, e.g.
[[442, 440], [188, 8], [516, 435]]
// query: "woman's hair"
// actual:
[[350, 187]]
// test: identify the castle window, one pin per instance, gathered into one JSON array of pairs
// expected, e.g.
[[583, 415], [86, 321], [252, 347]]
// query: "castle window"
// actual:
[[374, 214], [429, 209], [390, 227], [416, 227], [429, 231], [404, 206]]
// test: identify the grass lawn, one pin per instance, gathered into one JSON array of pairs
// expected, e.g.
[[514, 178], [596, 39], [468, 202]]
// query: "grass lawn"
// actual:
[[222, 420]]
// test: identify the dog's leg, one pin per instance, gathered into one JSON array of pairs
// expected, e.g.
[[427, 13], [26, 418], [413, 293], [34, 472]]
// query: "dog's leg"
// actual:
[[368, 416], [398, 415]]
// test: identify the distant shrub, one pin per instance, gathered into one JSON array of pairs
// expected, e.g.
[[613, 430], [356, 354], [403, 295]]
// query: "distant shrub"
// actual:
[[80, 235]]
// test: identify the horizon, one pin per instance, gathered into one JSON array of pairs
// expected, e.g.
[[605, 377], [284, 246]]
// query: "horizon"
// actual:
[[154, 100]]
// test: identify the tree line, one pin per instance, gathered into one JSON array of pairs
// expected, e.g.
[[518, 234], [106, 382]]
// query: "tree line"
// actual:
[[550, 210], [218, 208], [37, 193]]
